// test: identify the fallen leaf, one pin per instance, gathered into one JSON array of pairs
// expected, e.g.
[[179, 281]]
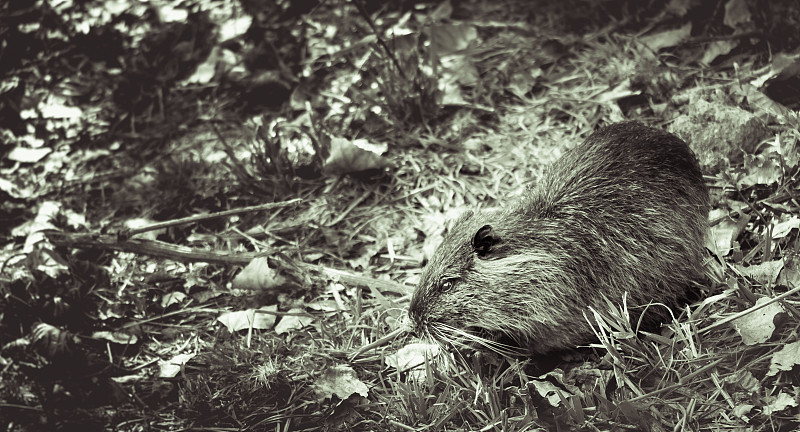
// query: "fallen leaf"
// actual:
[[667, 38], [742, 410], [744, 380], [257, 275], [341, 381], [172, 298], [549, 391], [449, 38], [765, 273], [790, 275], [116, 337], [55, 107], [716, 49], [12, 190], [412, 356], [50, 340], [678, 7], [245, 319], [762, 169], [785, 359], [784, 227], [765, 108], [779, 403], [28, 155], [143, 222], [721, 237], [220, 62], [353, 156], [736, 12], [234, 27], [170, 368], [758, 326], [172, 13], [293, 322]]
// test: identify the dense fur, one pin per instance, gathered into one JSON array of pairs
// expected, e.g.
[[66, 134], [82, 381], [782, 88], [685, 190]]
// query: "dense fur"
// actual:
[[626, 211]]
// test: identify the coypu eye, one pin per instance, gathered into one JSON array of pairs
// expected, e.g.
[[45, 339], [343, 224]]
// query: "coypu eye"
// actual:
[[447, 285], [484, 239]]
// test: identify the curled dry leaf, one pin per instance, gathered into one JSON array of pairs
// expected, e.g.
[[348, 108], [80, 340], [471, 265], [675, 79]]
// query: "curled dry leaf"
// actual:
[[250, 318], [297, 320], [553, 387], [736, 13], [450, 38], [743, 410], [716, 49], [257, 275], [758, 326], [354, 156], [341, 381], [28, 155], [172, 298], [779, 403], [790, 275], [411, 358], [548, 391], [761, 169], [764, 273], [118, 338], [668, 38], [170, 368], [722, 236], [745, 380], [143, 222], [785, 359], [782, 228]]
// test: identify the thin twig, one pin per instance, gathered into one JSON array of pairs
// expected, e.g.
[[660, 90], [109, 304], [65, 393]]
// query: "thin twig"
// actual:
[[749, 310], [186, 254], [202, 217]]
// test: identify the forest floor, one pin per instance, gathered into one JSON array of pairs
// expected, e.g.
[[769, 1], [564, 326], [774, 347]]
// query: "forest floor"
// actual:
[[214, 213]]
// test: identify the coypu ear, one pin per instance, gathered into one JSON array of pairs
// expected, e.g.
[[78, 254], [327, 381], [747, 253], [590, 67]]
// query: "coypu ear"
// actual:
[[484, 239]]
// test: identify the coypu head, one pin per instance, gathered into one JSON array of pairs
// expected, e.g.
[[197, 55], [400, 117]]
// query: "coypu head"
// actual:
[[469, 291]]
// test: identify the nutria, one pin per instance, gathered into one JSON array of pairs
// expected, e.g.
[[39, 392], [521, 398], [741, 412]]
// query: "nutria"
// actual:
[[626, 211]]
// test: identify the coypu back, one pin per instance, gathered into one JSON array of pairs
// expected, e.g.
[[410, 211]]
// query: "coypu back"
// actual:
[[625, 211]]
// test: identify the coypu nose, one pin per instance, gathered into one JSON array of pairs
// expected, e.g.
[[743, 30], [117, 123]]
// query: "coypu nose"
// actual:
[[414, 321]]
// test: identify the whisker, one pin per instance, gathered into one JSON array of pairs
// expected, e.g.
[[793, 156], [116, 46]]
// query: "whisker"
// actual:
[[456, 337]]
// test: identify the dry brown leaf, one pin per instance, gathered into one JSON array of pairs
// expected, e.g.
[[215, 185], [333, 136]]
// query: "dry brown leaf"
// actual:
[[353, 156], [736, 13], [28, 155], [779, 403], [169, 299], [757, 327], [257, 275], [341, 381], [298, 320], [449, 38], [170, 368], [722, 236], [116, 337], [783, 227], [411, 358], [785, 359], [765, 273], [250, 318], [668, 38]]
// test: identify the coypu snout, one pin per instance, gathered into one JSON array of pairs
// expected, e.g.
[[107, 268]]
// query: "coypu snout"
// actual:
[[624, 212]]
